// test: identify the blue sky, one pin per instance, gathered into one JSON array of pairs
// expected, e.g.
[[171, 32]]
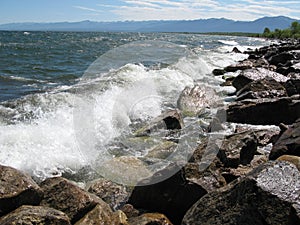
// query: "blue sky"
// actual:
[[120, 10]]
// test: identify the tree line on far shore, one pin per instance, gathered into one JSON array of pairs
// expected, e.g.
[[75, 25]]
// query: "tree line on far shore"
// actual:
[[292, 32]]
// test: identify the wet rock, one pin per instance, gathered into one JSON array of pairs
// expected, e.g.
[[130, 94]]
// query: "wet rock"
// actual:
[[162, 151], [265, 111], [288, 143], [170, 120], [256, 74], [125, 170], [102, 214], [16, 189], [167, 192], [236, 50], [62, 195], [193, 100], [34, 215], [150, 219], [267, 195], [113, 194], [266, 88], [292, 159], [238, 149], [218, 72]]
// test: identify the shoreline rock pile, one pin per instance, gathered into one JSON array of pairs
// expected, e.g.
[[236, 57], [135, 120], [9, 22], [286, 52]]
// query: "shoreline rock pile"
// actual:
[[252, 177]]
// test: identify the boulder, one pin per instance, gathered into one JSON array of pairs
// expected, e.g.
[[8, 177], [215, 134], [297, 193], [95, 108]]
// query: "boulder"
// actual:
[[264, 111], [192, 101], [102, 215], [266, 88], [288, 143], [247, 76], [112, 193], [281, 58], [16, 189], [218, 72], [167, 192], [267, 195], [35, 215], [63, 195], [149, 219], [236, 50]]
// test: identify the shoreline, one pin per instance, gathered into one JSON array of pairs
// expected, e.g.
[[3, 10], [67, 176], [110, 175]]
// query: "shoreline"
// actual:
[[268, 82]]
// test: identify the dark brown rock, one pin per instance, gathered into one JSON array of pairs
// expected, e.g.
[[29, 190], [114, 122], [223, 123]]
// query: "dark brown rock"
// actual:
[[173, 196], [130, 211], [150, 219], [113, 194], [218, 72], [292, 87], [288, 143], [102, 215], [267, 195], [256, 74], [265, 111], [35, 215], [16, 189], [266, 88], [62, 195], [236, 50]]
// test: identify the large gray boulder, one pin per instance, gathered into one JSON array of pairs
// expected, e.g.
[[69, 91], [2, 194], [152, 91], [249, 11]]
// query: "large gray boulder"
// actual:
[[193, 100], [267, 195], [16, 189]]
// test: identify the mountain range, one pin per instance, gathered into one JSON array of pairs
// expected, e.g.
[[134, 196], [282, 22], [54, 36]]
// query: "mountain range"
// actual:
[[201, 25]]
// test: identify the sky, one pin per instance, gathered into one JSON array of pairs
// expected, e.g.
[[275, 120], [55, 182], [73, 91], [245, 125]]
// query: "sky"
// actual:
[[12, 11]]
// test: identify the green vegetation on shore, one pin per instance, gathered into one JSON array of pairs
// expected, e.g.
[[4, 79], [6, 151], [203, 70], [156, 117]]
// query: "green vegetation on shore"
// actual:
[[292, 32]]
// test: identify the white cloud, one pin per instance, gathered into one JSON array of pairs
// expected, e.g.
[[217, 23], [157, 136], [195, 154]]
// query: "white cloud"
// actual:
[[197, 9], [87, 9]]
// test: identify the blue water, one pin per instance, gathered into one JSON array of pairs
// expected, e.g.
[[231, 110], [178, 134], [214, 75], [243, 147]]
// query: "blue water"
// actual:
[[68, 97]]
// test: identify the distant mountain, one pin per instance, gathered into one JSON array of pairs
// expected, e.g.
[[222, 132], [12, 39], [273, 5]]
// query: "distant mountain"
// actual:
[[201, 25]]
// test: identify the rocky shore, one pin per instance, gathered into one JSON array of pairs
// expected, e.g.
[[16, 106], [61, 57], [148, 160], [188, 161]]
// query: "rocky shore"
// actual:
[[252, 177]]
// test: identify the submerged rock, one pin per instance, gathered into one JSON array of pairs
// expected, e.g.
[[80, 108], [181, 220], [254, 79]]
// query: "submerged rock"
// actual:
[[16, 189], [150, 218], [172, 196], [31, 215], [193, 101], [268, 195], [288, 143], [62, 195]]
